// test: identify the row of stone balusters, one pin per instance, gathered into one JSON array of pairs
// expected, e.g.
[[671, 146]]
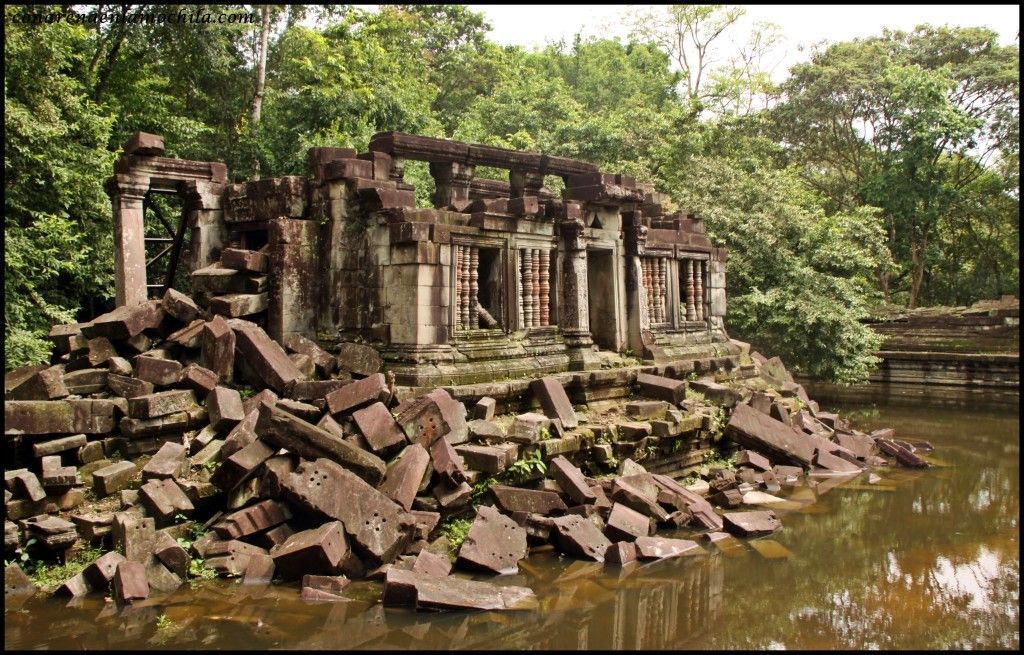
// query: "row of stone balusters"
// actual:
[[534, 287], [655, 279], [694, 289], [467, 286]]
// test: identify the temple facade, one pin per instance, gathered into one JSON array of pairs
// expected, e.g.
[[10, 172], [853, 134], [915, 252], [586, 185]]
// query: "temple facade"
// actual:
[[498, 280]]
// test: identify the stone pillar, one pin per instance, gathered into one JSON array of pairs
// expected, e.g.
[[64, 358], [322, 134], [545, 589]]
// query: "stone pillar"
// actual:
[[691, 311], [716, 282], [474, 287], [574, 314], [545, 288], [293, 276], [205, 213], [451, 183], [524, 184], [528, 287], [639, 319], [698, 289], [127, 193]]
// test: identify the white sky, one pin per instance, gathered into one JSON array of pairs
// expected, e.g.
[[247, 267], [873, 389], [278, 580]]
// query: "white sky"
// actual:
[[801, 25]]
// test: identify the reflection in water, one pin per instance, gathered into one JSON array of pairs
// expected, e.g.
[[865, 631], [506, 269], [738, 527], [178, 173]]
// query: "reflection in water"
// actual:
[[923, 559]]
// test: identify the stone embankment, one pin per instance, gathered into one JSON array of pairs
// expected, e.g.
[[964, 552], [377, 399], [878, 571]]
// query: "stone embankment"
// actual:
[[976, 346], [147, 442]]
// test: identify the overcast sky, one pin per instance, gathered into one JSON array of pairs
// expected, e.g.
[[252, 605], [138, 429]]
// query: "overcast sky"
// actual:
[[801, 25]]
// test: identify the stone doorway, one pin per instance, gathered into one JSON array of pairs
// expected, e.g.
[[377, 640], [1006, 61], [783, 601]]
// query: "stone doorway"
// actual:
[[604, 317]]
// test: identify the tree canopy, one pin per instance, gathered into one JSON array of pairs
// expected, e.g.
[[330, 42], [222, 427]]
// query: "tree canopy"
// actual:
[[882, 169]]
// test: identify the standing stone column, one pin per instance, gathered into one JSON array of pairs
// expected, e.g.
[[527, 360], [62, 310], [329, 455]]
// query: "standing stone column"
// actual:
[[545, 290], [127, 193], [293, 277], [528, 287], [698, 289], [204, 209], [574, 314], [474, 286], [691, 311], [451, 183]]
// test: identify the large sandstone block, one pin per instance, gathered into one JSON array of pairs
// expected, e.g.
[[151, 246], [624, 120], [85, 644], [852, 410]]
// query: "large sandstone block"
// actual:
[[751, 428], [218, 347], [320, 551], [285, 430], [429, 592], [516, 499], [245, 522], [578, 536], [125, 322], [405, 474], [661, 388], [267, 359], [358, 394], [161, 403], [572, 481], [377, 525], [555, 402], [38, 417], [494, 544], [379, 427]]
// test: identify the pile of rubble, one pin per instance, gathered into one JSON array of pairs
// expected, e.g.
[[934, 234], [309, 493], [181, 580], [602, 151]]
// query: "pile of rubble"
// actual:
[[138, 438]]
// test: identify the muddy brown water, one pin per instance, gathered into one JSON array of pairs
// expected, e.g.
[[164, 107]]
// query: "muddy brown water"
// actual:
[[923, 559]]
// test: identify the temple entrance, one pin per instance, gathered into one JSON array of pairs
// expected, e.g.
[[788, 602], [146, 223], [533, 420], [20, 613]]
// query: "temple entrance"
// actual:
[[601, 298]]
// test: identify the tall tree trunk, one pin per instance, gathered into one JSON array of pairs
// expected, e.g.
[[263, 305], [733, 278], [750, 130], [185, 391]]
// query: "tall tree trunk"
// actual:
[[261, 76], [917, 248]]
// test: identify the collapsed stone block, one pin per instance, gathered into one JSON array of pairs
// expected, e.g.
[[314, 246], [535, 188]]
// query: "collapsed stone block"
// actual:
[[555, 402], [320, 551], [494, 543], [404, 475], [661, 388], [171, 461]]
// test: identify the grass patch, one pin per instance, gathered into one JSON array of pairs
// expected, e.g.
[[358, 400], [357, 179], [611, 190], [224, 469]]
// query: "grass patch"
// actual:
[[455, 531], [50, 576]]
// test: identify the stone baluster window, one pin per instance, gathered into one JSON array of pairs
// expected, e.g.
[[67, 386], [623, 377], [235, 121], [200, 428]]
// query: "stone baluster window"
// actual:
[[534, 287], [477, 290], [655, 279], [692, 280]]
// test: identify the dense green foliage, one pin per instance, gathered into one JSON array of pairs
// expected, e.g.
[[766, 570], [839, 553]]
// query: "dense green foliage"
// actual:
[[881, 169]]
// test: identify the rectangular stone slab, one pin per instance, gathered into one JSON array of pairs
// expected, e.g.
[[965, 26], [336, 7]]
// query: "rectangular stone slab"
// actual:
[[217, 343], [377, 525], [751, 524], [661, 388], [495, 543], [554, 400], [515, 499], [579, 536], [38, 417], [379, 427], [408, 588], [358, 394], [113, 478], [130, 583], [749, 427], [250, 520], [404, 475], [626, 524], [281, 429], [265, 356], [319, 551], [664, 548], [572, 481], [55, 446], [171, 461], [161, 403]]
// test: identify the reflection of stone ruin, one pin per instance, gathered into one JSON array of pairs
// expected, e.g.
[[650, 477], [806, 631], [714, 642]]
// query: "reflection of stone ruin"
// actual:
[[499, 280]]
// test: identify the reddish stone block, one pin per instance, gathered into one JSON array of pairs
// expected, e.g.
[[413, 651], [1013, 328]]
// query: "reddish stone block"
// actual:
[[161, 403], [379, 427], [320, 551], [555, 402], [515, 499], [626, 524], [130, 583], [405, 475], [572, 481], [580, 537], [267, 359], [218, 347], [248, 521], [494, 544], [663, 548], [358, 394], [224, 407], [161, 372]]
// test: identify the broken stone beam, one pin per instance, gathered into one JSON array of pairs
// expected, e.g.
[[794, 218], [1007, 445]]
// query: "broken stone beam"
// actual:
[[284, 430], [752, 524], [637, 493], [56, 476], [423, 591], [749, 427], [663, 548], [113, 478], [179, 422], [125, 322], [38, 417], [224, 407], [161, 403], [379, 427], [265, 356], [572, 481], [423, 420], [46, 384], [405, 474], [26, 483], [170, 461], [235, 305], [247, 261], [902, 455], [375, 523], [579, 536], [555, 402], [161, 372], [320, 551], [358, 358], [130, 583], [661, 388], [128, 387], [180, 306], [64, 444], [516, 499], [164, 499], [241, 465], [100, 573], [754, 460], [218, 347], [494, 543], [324, 361], [626, 524], [250, 520], [358, 394]]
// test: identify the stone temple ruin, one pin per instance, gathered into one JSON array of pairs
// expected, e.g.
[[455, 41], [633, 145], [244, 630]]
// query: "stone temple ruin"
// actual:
[[499, 280]]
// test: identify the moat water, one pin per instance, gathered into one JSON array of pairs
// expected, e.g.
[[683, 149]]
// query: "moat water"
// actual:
[[921, 560]]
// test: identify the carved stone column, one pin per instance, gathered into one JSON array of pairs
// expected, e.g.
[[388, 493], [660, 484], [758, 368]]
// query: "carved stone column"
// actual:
[[127, 193], [204, 209], [451, 183], [575, 315], [545, 290], [691, 312], [698, 289]]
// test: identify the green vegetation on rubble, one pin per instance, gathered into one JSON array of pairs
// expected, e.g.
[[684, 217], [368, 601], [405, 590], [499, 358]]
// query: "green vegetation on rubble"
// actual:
[[455, 531], [823, 218], [48, 576]]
